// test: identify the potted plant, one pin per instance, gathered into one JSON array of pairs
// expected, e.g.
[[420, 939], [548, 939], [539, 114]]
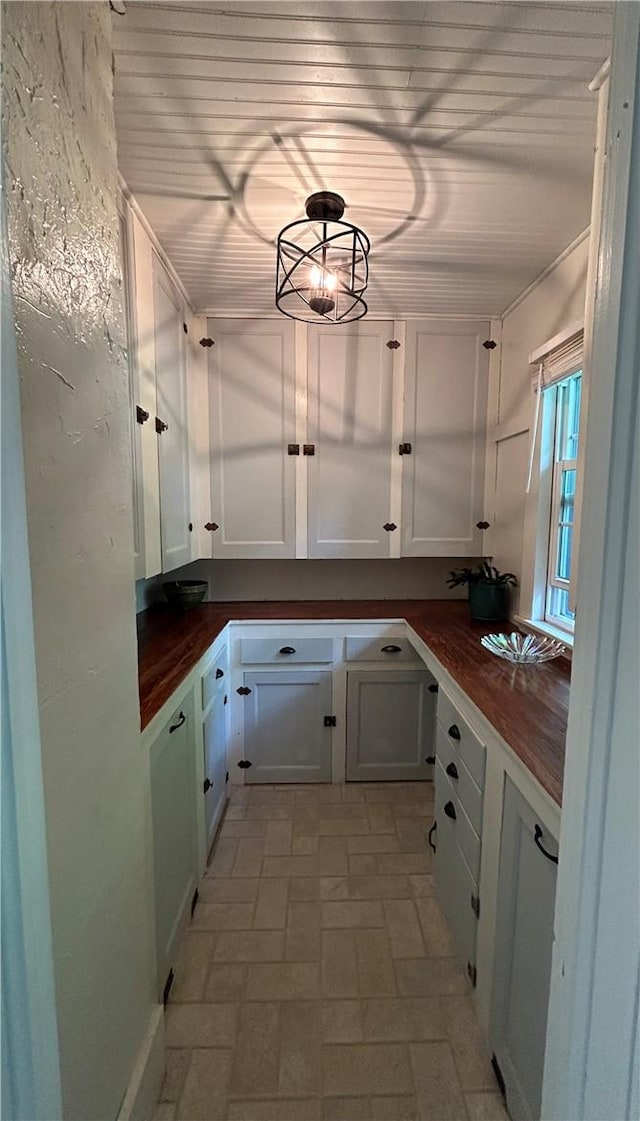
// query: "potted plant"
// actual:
[[487, 590]]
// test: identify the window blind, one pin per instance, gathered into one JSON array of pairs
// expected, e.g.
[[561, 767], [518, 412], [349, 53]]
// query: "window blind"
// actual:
[[560, 362]]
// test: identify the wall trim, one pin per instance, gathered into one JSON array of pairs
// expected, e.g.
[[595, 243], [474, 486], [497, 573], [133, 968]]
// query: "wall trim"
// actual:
[[132, 201], [546, 271], [142, 1093]]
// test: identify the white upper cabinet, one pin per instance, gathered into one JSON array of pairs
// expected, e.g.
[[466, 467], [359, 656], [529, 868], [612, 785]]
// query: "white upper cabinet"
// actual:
[[252, 422], [171, 421], [445, 398], [350, 429]]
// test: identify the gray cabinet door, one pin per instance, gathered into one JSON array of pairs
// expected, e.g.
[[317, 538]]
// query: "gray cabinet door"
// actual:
[[215, 765], [522, 964], [285, 738], [390, 725], [173, 808]]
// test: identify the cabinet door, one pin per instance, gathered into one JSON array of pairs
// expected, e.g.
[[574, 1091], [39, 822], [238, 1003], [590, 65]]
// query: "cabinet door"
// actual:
[[215, 765], [172, 772], [285, 738], [173, 441], [522, 961], [137, 482], [390, 725], [446, 372], [252, 401], [350, 406]]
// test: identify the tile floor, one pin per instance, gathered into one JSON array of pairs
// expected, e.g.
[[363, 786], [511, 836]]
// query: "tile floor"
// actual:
[[318, 979]]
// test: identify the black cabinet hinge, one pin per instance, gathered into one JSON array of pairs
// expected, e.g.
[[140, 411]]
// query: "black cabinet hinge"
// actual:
[[404, 449], [194, 901], [206, 342], [226, 777], [160, 426], [389, 527], [207, 784], [472, 974], [185, 328], [393, 344], [167, 987], [244, 764], [308, 449], [475, 905], [219, 673], [211, 526], [489, 344], [330, 722], [141, 414], [482, 525], [293, 449], [243, 691]]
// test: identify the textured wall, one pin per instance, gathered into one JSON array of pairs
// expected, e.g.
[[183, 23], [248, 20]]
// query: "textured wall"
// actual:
[[61, 177]]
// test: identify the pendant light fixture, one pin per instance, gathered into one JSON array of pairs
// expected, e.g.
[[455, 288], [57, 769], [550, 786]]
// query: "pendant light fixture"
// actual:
[[322, 268]]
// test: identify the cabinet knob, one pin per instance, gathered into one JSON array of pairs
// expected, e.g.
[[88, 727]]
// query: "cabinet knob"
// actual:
[[454, 732], [452, 771], [207, 785], [219, 673], [160, 426], [450, 810]]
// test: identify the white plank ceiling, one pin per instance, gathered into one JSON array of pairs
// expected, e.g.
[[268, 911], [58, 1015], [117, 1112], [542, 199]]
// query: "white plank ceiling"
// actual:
[[460, 135]]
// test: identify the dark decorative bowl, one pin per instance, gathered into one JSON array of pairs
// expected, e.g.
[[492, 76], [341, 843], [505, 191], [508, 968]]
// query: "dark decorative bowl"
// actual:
[[185, 593]]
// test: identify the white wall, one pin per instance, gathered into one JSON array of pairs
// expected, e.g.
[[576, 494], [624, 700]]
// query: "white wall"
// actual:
[[61, 179], [409, 578], [551, 305]]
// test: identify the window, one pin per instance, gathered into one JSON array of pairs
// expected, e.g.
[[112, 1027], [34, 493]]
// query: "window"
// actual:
[[563, 399]]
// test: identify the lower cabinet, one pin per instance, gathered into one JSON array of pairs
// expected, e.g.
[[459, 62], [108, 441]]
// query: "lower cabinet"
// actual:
[[173, 808], [522, 960], [390, 724], [287, 726], [215, 764]]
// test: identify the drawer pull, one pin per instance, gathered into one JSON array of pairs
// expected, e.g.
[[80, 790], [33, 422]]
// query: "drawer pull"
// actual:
[[207, 784], [450, 810], [287, 650], [537, 836], [452, 771], [454, 732], [391, 649], [431, 835], [178, 724], [219, 673]]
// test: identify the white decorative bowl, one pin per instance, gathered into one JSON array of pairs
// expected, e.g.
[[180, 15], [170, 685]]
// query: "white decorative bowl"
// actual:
[[523, 648]]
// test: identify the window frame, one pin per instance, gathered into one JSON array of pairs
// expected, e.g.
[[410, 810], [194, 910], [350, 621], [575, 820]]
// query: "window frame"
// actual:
[[559, 466]]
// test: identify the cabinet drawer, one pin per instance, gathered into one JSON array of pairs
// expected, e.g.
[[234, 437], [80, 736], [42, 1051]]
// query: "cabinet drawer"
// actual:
[[281, 649], [452, 763], [457, 821], [214, 680], [456, 890], [361, 648], [471, 750]]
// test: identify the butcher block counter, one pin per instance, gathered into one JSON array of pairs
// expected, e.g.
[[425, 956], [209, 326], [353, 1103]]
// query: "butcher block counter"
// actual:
[[527, 705]]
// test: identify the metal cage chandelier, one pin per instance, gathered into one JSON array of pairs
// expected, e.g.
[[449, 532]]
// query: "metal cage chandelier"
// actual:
[[322, 268]]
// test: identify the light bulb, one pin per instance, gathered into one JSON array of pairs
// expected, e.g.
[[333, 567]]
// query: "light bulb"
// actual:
[[315, 276], [330, 281]]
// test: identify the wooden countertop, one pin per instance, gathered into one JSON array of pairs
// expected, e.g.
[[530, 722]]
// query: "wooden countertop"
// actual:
[[527, 705]]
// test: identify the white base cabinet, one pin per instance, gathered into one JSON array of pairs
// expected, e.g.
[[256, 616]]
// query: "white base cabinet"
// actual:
[[173, 813], [214, 737], [287, 726], [390, 725], [522, 960]]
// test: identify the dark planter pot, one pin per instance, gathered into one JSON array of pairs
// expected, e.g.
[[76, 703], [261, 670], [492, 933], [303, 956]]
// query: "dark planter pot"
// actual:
[[488, 601]]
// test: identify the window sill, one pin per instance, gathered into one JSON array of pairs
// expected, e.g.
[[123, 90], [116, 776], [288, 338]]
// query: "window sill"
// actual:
[[537, 626]]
